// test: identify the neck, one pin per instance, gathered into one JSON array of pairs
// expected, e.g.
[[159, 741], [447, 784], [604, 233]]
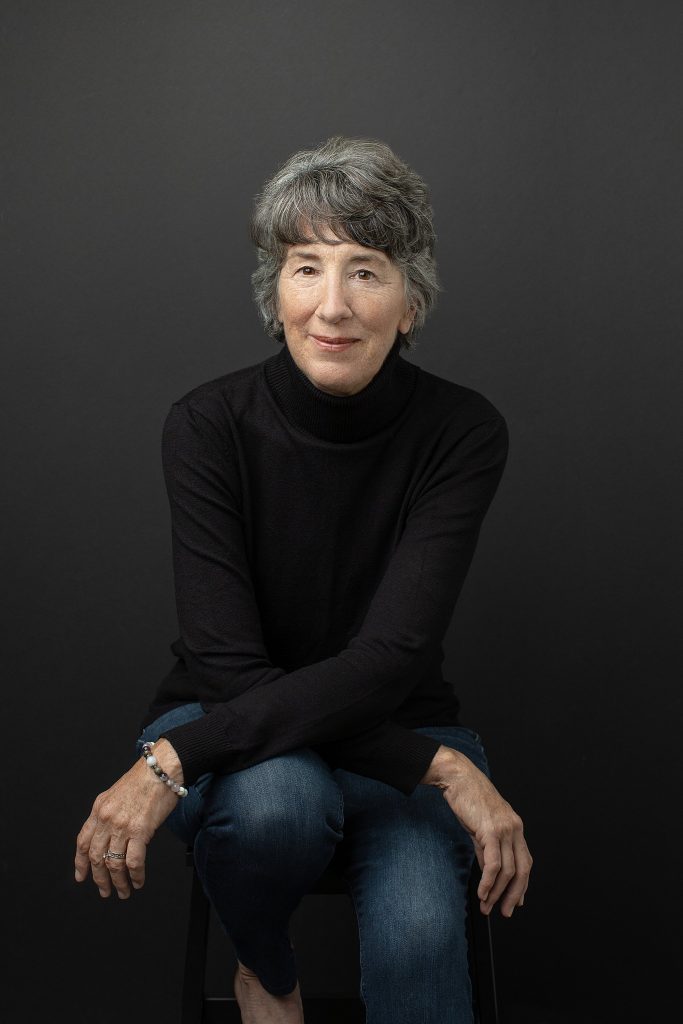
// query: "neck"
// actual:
[[342, 418]]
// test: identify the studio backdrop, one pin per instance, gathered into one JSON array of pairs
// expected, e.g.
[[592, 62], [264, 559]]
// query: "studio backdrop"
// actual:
[[135, 137]]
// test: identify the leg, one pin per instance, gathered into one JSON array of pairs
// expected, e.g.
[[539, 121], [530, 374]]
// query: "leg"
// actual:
[[261, 838], [266, 834], [407, 861]]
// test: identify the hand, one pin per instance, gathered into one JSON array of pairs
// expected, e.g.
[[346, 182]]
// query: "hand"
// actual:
[[123, 819], [496, 829]]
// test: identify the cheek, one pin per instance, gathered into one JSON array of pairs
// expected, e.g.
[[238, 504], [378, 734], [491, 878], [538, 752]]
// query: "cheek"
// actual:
[[296, 314], [294, 307], [385, 312]]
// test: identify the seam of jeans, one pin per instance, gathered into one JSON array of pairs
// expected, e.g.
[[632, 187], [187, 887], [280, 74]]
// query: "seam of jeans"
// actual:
[[340, 812], [360, 941]]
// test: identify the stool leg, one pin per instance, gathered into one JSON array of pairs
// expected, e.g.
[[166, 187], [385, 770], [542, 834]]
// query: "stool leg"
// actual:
[[480, 954], [195, 955]]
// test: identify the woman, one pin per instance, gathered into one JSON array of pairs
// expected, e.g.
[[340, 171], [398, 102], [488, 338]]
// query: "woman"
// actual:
[[325, 507]]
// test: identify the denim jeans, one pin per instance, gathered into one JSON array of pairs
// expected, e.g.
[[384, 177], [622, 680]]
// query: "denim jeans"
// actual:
[[262, 836]]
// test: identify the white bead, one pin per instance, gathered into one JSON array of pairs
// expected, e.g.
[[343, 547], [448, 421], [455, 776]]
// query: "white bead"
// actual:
[[182, 791], [151, 759]]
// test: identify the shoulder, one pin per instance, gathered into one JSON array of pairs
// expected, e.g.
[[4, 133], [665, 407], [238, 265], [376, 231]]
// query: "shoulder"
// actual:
[[203, 423], [462, 431], [227, 389], [462, 406], [219, 403]]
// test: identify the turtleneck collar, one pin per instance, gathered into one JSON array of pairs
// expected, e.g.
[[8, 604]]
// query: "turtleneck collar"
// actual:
[[341, 418]]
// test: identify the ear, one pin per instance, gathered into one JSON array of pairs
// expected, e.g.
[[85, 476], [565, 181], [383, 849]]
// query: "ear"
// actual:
[[406, 321]]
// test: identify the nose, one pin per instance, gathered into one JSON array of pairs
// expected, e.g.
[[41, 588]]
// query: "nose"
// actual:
[[334, 301]]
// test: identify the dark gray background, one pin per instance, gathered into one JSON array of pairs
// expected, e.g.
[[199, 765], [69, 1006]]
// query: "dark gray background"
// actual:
[[135, 136]]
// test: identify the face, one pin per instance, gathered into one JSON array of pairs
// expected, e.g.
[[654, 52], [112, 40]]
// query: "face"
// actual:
[[340, 305]]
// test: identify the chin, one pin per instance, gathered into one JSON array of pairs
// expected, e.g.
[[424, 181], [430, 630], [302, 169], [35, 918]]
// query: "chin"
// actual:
[[338, 379]]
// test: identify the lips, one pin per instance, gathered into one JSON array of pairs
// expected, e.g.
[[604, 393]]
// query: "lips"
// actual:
[[332, 344]]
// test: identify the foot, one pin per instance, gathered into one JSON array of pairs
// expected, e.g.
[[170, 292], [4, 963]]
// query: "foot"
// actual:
[[258, 1006]]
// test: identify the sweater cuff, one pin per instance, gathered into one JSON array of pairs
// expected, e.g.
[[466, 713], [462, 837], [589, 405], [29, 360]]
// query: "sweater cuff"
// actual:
[[390, 753], [202, 745]]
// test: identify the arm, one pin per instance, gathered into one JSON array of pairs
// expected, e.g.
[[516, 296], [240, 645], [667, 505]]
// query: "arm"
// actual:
[[265, 711]]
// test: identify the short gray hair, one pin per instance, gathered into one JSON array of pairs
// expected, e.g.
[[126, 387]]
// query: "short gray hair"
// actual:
[[362, 191]]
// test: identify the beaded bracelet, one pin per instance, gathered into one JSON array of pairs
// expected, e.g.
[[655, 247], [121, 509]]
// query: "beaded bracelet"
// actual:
[[152, 762]]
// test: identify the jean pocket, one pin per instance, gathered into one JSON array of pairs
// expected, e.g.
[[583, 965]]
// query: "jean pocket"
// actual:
[[475, 735]]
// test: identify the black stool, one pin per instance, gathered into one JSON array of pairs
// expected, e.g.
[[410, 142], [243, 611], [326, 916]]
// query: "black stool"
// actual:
[[197, 1007]]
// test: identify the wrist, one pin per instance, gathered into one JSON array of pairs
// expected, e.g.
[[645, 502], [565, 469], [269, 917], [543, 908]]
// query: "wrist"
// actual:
[[158, 765], [446, 767], [168, 760]]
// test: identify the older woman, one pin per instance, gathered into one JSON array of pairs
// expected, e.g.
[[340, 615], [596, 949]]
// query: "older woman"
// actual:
[[325, 507]]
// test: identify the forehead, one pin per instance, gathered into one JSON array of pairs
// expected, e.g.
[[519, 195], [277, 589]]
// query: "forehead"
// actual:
[[333, 246]]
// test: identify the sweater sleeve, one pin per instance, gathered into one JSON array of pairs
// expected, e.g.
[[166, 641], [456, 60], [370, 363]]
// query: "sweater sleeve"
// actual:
[[344, 701]]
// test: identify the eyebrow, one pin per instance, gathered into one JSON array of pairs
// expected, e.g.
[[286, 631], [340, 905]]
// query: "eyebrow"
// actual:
[[300, 254]]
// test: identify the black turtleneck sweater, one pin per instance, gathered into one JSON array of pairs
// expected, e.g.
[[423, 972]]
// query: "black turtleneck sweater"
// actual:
[[319, 546]]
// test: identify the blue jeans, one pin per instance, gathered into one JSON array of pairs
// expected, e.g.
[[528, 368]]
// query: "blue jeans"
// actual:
[[262, 836]]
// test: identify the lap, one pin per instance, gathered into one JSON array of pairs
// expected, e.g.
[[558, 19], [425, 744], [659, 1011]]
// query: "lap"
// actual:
[[383, 828]]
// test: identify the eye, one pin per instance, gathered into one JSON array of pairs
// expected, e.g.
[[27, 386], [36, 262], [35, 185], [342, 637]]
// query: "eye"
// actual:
[[302, 269], [365, 272]]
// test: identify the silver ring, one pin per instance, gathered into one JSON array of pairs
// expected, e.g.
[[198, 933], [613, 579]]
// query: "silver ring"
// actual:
[[114, 856]]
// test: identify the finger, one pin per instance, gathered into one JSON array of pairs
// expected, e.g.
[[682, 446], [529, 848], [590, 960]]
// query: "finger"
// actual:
[[505, 875], [135, 861], [98, 867], [514, 895], [83, 840], [491, 867], [479, 853], [512, 898], [115, 862]]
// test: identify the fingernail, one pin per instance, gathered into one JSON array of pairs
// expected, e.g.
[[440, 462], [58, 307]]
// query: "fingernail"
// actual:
[[78, 876], [136, 885], [103, 893]]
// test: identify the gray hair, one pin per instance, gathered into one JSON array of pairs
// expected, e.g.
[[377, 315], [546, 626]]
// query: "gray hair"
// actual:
[[362, 191]]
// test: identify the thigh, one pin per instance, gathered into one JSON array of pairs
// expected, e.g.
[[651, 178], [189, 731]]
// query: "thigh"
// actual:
[[407, 858]]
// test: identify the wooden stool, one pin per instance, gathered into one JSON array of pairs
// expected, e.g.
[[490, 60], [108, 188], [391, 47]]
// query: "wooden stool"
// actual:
[[198, 1008]]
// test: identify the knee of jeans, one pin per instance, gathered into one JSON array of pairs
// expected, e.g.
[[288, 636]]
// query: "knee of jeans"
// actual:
[[278, 796]]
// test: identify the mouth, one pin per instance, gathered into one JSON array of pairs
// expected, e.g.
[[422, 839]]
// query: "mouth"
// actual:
[[331, 344]]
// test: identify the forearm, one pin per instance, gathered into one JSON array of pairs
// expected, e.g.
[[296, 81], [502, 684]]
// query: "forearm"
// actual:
[[388, 752]]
